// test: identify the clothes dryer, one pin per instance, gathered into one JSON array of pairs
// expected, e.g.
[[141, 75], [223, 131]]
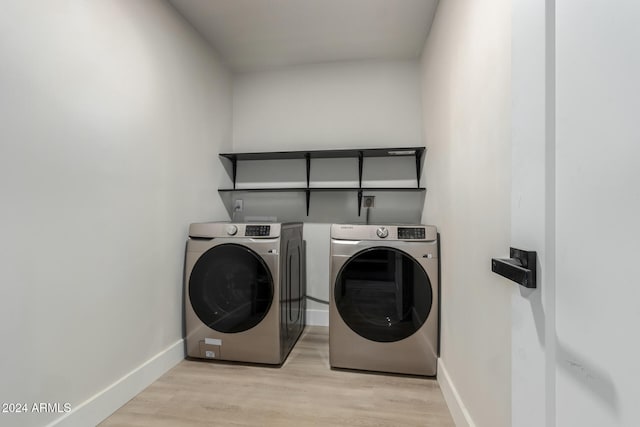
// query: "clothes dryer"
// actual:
[[383, 311], [245, 291]]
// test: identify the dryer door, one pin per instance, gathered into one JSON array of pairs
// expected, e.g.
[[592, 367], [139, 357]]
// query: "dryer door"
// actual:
[[383, 294], [230, 288]]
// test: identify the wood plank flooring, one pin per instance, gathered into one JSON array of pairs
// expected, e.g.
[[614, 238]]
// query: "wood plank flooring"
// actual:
[[303, 392]]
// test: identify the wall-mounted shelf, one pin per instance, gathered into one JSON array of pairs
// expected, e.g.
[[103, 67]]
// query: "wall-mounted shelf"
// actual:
[[285, 189], [360, 154]]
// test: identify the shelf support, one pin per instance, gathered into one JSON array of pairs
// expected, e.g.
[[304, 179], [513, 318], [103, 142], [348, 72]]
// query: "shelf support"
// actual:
[[418, 164], [234, 168], [307, 156], [359, 201], [360, 159]]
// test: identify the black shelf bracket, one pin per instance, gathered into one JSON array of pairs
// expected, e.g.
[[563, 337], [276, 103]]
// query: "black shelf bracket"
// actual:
[[234, 167], [418, 165], [360, 162], [519, 268], [308, 159]]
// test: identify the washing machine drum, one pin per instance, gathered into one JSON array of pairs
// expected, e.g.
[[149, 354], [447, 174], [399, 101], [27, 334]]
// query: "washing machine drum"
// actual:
[[383, 294], [230, 288]]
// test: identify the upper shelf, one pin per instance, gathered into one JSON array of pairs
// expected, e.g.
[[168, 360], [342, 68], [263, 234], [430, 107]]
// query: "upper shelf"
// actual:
[[328, 154], [327, 189]]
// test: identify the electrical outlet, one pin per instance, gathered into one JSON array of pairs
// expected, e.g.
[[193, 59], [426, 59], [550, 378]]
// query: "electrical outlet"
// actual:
[[368, 201], [238, 205]]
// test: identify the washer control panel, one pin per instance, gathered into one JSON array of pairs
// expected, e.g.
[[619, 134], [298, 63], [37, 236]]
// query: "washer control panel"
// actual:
[[257, 230], [409, 233]]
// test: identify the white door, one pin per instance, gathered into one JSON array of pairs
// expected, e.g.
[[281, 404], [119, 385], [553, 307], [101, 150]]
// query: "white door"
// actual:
[[532, 211], [576, 200]]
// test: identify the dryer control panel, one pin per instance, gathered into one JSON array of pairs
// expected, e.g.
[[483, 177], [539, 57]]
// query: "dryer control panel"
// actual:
[[408, 233], [257, 230]]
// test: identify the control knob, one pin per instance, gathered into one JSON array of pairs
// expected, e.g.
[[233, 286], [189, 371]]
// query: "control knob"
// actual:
[[382, 232], [232, 230]]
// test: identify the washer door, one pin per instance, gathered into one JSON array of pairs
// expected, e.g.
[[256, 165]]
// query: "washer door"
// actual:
[[230, 288], [383, 294]]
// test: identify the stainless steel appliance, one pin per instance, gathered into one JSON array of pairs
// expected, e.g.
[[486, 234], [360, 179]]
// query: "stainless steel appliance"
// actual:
[[383, 311], [244, 291]]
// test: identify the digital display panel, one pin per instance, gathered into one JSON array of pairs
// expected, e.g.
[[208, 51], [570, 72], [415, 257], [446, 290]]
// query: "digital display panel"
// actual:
[[409, 233], [257, 230]]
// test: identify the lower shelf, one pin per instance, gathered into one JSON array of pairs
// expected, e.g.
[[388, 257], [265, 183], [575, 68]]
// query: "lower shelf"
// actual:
[[310, 190]]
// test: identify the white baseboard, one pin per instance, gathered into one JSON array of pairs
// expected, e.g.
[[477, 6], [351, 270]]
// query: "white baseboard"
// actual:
[[458, 410], [317, 317], [98, 407]]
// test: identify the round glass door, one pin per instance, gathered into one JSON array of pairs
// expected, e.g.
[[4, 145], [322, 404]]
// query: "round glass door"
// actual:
[[383, 294], [230, 288]]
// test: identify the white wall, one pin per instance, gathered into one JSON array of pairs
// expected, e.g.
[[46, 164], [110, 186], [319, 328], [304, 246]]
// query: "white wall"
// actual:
[[598, 206], [339, 105], [466, 98], [112, 114]]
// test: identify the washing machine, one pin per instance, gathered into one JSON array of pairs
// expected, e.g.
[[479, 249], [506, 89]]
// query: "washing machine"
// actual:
[[245, 291], [383, 311]]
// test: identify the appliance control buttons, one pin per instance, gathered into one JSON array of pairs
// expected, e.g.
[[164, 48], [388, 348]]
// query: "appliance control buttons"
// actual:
[[382, 232], [232, 230]]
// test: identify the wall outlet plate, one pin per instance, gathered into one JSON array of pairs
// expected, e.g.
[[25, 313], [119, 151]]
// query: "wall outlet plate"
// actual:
[[238, 205], [368, 201]]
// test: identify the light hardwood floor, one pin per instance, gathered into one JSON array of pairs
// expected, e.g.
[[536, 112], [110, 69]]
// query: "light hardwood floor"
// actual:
[[303, 392]]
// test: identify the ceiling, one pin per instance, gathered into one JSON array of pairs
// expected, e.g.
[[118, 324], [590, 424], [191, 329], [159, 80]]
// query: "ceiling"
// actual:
[[253, 35]]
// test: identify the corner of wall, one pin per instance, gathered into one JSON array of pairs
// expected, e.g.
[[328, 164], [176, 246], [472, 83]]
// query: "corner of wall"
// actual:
[[459, 412], [316, 317], [99, 406]]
